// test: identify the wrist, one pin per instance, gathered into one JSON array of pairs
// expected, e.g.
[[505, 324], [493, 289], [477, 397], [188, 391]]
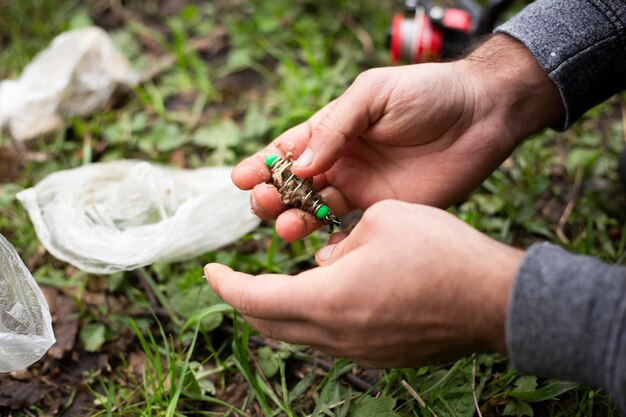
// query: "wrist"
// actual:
[[504, 265], [511, 89]]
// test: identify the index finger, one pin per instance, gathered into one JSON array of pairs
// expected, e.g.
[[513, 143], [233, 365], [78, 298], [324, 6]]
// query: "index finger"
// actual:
[[268, 297]]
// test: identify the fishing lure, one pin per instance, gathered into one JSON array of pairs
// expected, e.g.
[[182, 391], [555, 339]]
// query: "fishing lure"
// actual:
[[298, 192]]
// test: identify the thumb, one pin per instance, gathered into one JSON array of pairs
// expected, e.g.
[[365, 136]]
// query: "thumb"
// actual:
[[347, 118]]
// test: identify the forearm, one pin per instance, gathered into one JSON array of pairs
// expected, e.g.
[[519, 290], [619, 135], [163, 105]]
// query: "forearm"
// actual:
[[580, 44], [566, 319]]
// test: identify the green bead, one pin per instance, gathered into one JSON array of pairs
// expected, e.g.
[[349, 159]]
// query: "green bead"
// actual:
[[270, 159], [322, 212]]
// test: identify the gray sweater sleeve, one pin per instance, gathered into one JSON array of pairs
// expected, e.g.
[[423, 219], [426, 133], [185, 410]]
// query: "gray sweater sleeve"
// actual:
[[567, 313], [581, 44], [567, 319]]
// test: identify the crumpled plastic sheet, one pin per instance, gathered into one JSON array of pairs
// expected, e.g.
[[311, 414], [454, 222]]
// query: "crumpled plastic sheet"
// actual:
[[75, 76], [25, 323], [122, 215]]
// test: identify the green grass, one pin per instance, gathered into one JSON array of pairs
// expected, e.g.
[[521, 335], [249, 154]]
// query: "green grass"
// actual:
[[283, 60]]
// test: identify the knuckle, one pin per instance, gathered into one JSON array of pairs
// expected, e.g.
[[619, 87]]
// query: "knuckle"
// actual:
[[395, 207], [345, 346], [323, 126], [324, 310], [387, 205], [266, 328], [336, 300], [245, 304], [335, 345], [367, 77], [330, 135], [378, 211]]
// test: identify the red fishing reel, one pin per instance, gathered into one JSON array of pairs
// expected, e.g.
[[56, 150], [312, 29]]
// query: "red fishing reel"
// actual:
[[427, 32]]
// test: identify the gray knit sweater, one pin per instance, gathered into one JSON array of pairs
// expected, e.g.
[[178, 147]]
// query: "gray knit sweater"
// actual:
[[567, 315]]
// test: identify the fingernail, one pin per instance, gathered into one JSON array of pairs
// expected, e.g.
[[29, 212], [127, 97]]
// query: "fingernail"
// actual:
[[305, 159], [209, 275], [207, 272], [252, 202], [324, 253]]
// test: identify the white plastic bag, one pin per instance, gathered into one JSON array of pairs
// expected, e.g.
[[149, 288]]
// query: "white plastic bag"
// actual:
[[25, 322], [75, 76], [113, 216]]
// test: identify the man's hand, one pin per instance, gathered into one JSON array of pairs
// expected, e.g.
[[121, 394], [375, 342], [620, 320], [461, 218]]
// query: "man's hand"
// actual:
[[410, 285], [427, 133]]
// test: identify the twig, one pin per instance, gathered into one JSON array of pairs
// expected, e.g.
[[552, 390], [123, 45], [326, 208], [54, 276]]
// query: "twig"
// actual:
[[338, 403], [623, 106], [570, 206], [153, 293], [474, 389], [361, 34], [257, 366], [415, 395], [353, 380], [154, 304], [154, 310]]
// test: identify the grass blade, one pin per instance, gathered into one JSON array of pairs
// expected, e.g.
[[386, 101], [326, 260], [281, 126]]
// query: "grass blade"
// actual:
[[547, 392]]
